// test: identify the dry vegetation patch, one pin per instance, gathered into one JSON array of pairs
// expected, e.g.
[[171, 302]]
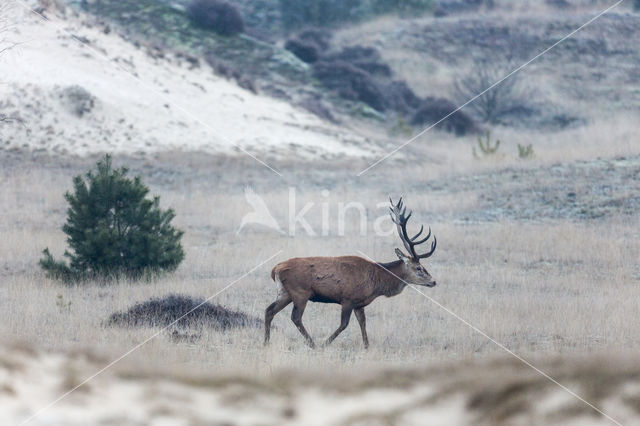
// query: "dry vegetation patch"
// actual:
[[183, 311]]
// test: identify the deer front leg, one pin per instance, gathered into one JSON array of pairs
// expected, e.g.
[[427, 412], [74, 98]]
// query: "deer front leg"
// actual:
[[344, 322], [363, 325], [281, 302]]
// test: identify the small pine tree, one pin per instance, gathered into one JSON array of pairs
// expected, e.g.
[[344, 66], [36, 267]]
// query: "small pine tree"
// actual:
[[114, 230]]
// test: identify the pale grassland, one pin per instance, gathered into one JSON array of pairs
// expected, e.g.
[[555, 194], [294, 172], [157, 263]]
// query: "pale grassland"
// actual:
[[538, 288], [442, 154]]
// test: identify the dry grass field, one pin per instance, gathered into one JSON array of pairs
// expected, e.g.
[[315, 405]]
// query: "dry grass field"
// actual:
[[549, 285], [555, 285]]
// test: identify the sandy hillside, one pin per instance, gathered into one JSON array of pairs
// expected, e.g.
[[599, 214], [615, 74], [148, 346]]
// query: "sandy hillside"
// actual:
[[109, 95]]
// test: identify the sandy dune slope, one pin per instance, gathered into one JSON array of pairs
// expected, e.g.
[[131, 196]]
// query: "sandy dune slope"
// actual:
[[502, 391], [109, 95]]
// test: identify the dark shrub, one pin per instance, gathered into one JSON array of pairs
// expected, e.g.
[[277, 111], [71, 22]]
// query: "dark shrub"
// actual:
[[216, 15], [78, 100], [366, 58], [350, 82], [636, 4], [305, 51], [319, 37], [162, 312], [493, 106], [358, 73], [113, 229], [432, 110], [309, 44], [399, 97], [261, 18], [440, 12], [562, 121]]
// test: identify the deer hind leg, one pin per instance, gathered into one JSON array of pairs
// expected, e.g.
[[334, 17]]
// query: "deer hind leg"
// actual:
[[363, 325], [296, 317], [344, 322], [281, 302]]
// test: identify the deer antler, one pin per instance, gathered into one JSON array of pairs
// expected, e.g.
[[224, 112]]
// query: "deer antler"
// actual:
[[398, 217]]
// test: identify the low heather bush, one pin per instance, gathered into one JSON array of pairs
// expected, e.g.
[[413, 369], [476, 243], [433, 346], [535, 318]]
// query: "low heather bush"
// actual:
[[216, 15]]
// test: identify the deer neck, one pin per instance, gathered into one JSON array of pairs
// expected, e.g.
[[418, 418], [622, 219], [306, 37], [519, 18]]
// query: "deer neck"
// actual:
[[391, 278]]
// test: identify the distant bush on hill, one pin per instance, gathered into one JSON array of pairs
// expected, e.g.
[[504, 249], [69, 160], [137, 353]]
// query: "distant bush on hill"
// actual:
[[400, 97], [78, 100], [350, 82], [365, 58], [308, 45], [506, 95], [358, 73], [305, 51], [433, 109], [261, 18], [215, 15]]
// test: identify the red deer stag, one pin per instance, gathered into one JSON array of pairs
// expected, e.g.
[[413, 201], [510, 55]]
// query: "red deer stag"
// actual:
[[350, 281]]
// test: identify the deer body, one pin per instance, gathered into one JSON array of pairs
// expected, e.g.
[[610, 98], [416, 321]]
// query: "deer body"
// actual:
[[350, 281], [345, 279]]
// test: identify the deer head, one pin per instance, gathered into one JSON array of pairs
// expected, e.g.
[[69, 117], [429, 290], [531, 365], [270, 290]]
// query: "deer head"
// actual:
[[413, 271]]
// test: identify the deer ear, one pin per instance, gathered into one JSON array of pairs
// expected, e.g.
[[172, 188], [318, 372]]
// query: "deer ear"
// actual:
[[402, 256]]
